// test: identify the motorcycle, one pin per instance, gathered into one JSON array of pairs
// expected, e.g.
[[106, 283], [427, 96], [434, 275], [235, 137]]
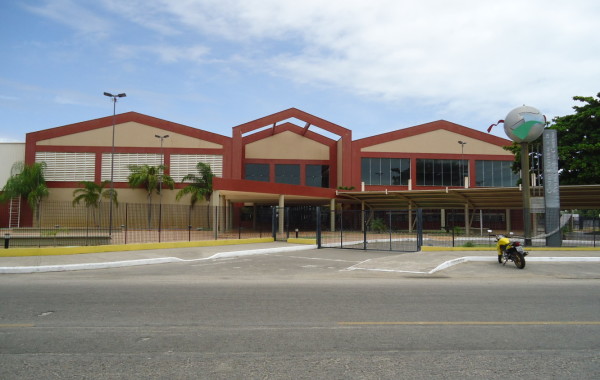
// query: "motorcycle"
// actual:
[[510, 251]]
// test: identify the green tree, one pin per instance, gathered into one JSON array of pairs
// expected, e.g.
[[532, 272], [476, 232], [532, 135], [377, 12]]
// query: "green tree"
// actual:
[[534, 148], [199, 185], [152, 179], [26, 181], [579, 143], [91, 194], [578, 140]]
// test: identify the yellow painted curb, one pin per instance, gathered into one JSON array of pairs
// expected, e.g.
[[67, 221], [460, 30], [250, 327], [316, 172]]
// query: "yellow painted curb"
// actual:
[[53, 251], [302, 241], [434, 249]]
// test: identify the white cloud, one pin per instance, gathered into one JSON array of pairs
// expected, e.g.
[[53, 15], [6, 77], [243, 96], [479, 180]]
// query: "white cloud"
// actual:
[[165, 53], [70, 13], [461, 55]]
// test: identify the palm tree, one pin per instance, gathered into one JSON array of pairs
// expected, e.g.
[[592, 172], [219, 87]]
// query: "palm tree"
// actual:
[[151, 178], [27, 181], [91, 194], [199, 186]]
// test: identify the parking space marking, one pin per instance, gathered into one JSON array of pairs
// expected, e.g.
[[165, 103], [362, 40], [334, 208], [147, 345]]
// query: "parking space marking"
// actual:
[[317, 258]]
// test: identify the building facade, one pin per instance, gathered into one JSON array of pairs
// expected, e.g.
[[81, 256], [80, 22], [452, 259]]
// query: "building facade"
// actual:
[[287, 158]]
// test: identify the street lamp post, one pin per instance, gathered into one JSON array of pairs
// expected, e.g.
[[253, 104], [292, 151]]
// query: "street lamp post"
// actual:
[[112, 159], [462, 164], [162, 163], [160, 180]]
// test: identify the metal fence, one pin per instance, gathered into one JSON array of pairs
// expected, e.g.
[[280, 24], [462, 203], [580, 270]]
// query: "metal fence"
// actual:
[[393, 230], [62, 224]]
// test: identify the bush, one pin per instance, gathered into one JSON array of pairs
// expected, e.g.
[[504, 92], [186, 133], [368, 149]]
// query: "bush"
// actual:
[[378, 225]]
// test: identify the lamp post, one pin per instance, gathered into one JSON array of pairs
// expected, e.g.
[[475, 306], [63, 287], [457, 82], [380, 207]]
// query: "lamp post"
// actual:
[[160, 180], [462, 167], [112, 159], [162, 163]]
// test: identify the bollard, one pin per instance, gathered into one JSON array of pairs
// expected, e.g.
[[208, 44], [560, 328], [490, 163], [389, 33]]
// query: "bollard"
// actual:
[[6, 240], [296, 233]]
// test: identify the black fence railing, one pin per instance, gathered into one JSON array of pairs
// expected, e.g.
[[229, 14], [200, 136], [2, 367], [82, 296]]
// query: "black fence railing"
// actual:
[[62, 224], [393, 230]]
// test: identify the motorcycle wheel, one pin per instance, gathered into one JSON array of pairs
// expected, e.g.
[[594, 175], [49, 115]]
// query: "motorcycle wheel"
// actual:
[[519, 260]]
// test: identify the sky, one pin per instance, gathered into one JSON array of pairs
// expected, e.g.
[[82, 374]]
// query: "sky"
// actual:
[[372, 66]]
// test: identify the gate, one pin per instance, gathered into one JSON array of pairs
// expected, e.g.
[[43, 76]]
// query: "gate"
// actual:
[[389, 230], [294, 222]]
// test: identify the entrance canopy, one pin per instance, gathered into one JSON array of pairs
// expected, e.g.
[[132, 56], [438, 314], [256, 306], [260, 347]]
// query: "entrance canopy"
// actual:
[[571, 197]]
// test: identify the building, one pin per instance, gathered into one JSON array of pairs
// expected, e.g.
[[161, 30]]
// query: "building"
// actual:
[[287, 158]]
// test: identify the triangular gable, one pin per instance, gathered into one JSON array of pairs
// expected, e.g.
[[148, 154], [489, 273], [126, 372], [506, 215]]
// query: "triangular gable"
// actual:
[[131, 124], [292, 113], [436, 137], [343, 145]]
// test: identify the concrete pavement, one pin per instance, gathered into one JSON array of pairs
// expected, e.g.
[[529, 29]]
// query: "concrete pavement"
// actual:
[[424, 262]]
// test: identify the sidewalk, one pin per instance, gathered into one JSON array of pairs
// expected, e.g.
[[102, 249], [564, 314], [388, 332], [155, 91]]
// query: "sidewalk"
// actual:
[[427, 261], [115, 259], [432, 261]]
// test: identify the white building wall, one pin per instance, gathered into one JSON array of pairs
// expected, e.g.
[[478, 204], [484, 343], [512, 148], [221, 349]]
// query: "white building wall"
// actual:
[[9, 154]]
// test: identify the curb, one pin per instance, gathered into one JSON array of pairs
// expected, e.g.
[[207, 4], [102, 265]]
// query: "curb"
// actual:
[[158, 260], [60, 251], [466, 259]]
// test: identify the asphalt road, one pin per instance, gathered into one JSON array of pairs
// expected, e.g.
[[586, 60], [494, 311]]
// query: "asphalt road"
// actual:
[[301, 316]]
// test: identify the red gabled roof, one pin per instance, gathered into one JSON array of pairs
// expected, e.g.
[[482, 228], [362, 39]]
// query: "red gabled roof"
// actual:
[[125, 118], [430, 127], [292, 113]]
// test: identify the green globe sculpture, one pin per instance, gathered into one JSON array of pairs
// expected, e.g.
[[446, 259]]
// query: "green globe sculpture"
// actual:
[[524, 124]]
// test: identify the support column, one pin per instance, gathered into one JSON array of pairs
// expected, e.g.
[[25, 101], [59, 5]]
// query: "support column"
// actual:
[[214, 203], [222, 213], [467, 221], [331, 215], [229, 223], [508, 222], [526, 193], [281, 213], [410, 217], [443, 219], [362, 216]]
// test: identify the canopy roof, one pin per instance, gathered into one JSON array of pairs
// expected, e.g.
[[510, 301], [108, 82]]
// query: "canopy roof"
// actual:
[[571, 197]]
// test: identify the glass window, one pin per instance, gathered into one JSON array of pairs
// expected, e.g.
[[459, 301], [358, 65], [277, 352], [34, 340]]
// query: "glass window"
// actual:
[[317, 175], [365, 170], [495, 174], [432, 172], [385, 171], [257, 172], [287, 173]]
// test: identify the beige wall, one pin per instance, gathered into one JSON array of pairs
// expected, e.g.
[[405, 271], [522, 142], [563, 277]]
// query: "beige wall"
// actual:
[[130, 134], [125, 195], [287, 145], [440, 141]]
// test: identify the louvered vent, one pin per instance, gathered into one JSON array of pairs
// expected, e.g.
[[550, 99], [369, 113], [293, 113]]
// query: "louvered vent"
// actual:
[[122, 162], [63, 166], [183, 164]]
